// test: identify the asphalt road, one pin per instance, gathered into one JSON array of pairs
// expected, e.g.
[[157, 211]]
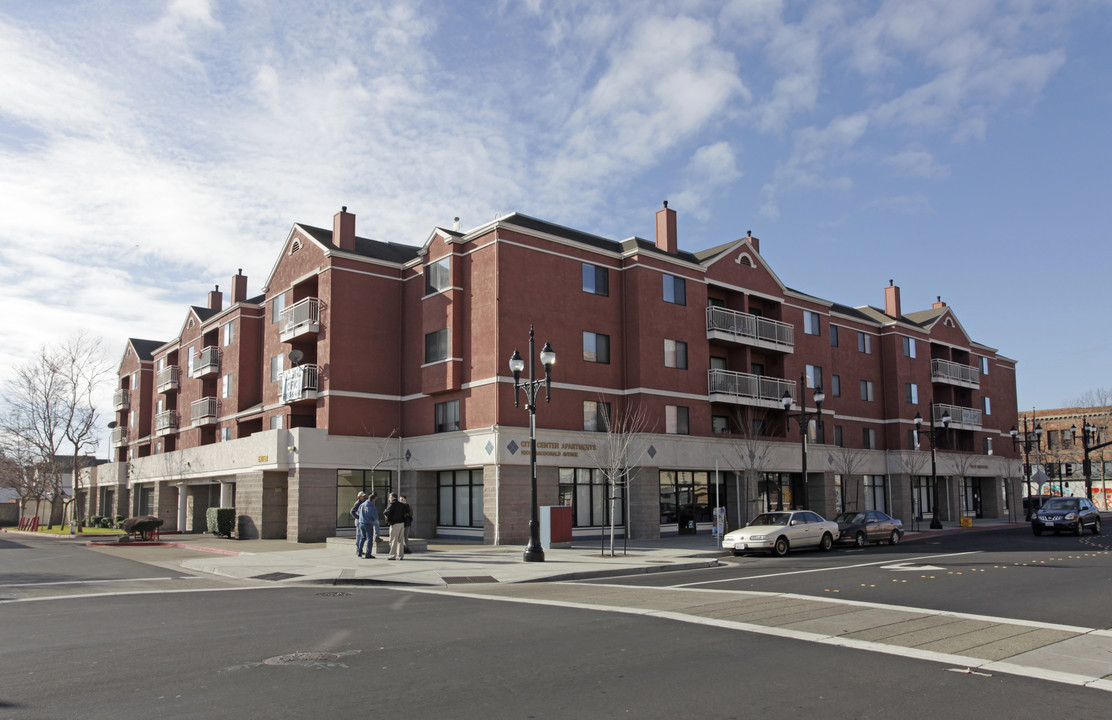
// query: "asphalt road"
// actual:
[[1004, 573]]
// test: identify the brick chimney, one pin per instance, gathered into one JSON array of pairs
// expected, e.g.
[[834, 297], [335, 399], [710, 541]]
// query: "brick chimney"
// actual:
[[938, 303], [755, 242], [216, 299], [239, 287], [666, 230], [892, 300], [343, 229]]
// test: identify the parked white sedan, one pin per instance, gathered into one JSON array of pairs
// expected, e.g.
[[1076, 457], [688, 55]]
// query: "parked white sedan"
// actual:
[[778, 532]]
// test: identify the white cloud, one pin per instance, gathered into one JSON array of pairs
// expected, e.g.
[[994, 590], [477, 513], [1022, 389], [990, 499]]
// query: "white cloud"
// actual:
[[916, 162], [711, 168]]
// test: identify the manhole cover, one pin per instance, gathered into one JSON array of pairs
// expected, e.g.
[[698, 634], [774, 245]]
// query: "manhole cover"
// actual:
[[333, 594], [302, 658]]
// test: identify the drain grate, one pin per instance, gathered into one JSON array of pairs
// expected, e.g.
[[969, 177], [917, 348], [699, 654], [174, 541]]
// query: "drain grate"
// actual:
[[302, 658], [276, 576], [463, 580]]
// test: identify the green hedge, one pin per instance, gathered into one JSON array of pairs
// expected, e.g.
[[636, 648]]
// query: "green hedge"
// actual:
[[221, 521]]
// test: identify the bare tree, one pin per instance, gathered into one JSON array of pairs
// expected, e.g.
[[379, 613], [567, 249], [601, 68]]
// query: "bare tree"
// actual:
[[752, 453], [1094, 398], [618, 451], [19, 472], [848, 462], [915, 463], [962, 462], [50, 404]]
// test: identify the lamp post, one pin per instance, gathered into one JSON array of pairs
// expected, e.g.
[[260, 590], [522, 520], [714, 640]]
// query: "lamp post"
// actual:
[[932, 435], [1027, 435], [803, 416], [533, 551], [1090, 433]]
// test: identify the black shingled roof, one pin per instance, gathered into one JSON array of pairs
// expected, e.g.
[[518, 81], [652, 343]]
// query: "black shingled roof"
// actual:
[[387, 251], [145, 348]]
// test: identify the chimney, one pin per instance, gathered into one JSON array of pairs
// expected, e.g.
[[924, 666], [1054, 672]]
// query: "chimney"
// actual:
[[666, 229], [755, 242], [455, 224], [239, 287], [892, 300], [938, 304], [343, 229], [216, 299]]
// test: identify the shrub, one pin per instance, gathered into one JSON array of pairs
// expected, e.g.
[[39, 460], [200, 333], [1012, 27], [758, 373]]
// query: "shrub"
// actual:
[[105, 523], [94, 521], [143, 525], [221, 521]]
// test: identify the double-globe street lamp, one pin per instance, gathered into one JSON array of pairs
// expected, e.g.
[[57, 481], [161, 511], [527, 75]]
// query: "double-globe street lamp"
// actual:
[[1090, 433], [932, 435], [1036, 434], [803, 417], [533, 551]]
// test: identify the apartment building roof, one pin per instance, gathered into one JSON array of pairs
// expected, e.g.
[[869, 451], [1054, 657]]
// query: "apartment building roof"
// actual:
[[144, 349], [376, 249]]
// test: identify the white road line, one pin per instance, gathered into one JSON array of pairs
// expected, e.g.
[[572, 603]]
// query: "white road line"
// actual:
[[817, 570]]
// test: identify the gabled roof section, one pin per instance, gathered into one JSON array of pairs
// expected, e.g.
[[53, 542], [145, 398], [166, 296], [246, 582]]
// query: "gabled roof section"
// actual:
[[374, 249], [144, 349], [747, 253], [929, 320], [203, 313]]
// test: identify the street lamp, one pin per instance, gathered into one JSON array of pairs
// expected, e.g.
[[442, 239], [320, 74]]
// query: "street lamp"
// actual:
[[932, 435], [1027, 435], [803, 416], [1089, 433], [533, 551]]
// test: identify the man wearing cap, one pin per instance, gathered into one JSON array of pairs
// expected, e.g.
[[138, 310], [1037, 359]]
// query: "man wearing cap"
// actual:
[[354, 512], [368, 527]]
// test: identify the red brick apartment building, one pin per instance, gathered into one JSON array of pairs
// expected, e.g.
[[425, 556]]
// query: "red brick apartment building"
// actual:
[[367, 364]]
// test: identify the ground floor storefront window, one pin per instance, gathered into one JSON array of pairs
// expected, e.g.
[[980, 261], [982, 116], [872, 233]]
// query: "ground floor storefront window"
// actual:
[[876, 493], [349, 483], [923, 497], [688, 499], [460, 498], [587, 492]]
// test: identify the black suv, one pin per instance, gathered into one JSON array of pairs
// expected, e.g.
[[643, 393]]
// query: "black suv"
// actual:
[[1066, 513]]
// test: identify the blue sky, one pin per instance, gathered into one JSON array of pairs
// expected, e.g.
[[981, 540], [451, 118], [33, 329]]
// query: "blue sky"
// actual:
[[958, 148]]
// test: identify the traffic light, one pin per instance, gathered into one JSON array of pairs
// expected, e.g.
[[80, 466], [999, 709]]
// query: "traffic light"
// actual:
[[1069, 469], [1050, 469], [1026, 470]]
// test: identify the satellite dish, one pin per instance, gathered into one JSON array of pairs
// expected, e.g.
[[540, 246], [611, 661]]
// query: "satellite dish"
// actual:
[[112, 425], [296, 356]]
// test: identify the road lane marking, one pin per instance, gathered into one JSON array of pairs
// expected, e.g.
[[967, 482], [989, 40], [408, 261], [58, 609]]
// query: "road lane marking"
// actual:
[[906, 567], [816, 570]]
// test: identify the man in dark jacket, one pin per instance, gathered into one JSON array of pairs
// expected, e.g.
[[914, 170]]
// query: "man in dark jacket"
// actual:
[[408, 522], [354, 512], [395, 517]]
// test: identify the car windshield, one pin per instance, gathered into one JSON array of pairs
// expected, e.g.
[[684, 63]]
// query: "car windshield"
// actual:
[[771, 519], [850, 518], [1061, 504]]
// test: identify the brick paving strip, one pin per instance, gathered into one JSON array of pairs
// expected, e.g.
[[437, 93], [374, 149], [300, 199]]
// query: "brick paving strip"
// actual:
[[1058, 653]]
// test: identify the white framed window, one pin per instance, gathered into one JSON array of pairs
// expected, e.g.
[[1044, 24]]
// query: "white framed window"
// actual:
[[984, 365], [275, 422], [229, 332], [868, 438], [811, 324], [278, 304], [436, 346], [226, 386], [864, 343], [276, 368], [675, 290], [867, 390], [833, 336], [190, 357], [225, 434], [596, 416], [720, 424], [159, 406], [446, 416], [836, 385], [986, 405], [988, 446], [909, 347], [596, 279], [814, 376], [596, 348], [675, 354], [676, 420], [911, 393], [438, 275]]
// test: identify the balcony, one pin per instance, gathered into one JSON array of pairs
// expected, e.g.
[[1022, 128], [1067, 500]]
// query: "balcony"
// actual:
[[961, 418], [168, 379], [166, 422], [726, 386], [299, 383], [301, 318], [203, 411], [953, 373], [119, 435], [121, 399], [751, 330], [207, 362]]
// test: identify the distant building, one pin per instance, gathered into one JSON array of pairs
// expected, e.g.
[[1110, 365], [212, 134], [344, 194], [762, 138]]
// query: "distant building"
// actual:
[[366, 364], [1060, 453]]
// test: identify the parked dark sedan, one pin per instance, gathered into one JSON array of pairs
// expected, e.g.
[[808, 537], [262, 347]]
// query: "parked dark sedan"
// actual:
[[865, 526], [1066, 513]]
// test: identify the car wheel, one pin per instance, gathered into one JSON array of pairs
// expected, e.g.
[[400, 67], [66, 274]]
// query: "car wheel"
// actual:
[[780, 549], [1096, 527], [1080, 527], [826, 543], [1036, 530], [859, 539], [894, 538]]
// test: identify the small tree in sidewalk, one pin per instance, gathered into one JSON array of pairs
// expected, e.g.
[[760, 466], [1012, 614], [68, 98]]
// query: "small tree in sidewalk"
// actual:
[[620, 449]]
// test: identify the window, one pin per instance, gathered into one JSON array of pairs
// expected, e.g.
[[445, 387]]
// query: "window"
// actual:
[[275, 422], [909, 347], [596, 348], [587, 492], [836, 385], [838, 435], [911, 393], [447, 416], [814, 377], [986, 406], [438, 275], [436, 346], [159, 406], [276, 368], [226, 386], [675, 420], [720, 424], [596, 416], [131, 419], [988, 446], [864, 343], [278, 305], [984, 365], [717, 363], [675, 354], [596, 280], [868, 438], [229, 332], [874, 492], [811, 324], [816, 431], [225, 434], [867, 390], [189, 359], [460, 498], [913, 439], [675, 291], [833, 336]]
